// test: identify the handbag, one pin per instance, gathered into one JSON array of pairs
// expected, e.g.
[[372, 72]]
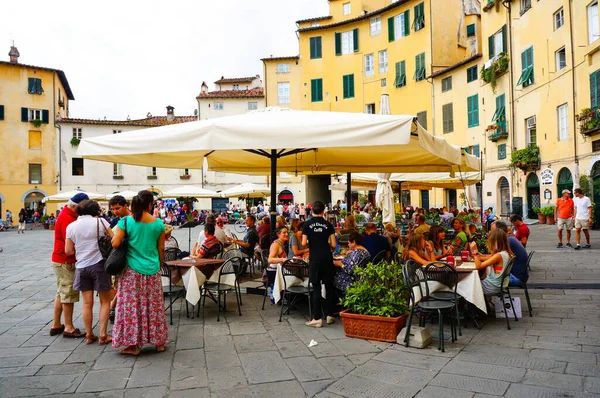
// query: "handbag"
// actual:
[[117, 259], [104, 241]]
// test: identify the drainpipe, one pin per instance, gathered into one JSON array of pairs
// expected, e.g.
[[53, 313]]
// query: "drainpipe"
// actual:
[[56, 125], [432, 85], [576, 159], [511, 82]]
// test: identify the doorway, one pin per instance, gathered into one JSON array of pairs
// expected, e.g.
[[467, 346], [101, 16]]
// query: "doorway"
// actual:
[[286, 197], [504, 189], [565, 181], [533, 195], [451, 198]]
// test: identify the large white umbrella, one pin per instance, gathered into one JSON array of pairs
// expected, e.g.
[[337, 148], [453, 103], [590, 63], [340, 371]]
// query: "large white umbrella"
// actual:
[[189, 191], [65, 196], [384, 198], [246, 189], [127, 194]]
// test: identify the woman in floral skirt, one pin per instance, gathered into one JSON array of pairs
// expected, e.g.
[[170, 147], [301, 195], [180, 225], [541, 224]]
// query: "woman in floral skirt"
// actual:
[[140, 316]]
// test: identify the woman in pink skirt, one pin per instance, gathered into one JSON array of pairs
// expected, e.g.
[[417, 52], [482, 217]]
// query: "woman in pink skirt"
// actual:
[[140, 316]]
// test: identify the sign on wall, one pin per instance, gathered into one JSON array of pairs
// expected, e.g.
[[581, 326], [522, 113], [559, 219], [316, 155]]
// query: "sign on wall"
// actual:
[[547, 177]]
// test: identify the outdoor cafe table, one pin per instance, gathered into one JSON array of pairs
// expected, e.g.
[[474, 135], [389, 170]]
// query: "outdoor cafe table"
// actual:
[[196, 271], [469, 286]]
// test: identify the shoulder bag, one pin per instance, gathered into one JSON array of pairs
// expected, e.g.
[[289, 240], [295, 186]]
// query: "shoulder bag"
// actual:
[[116, 261], [104, 241]]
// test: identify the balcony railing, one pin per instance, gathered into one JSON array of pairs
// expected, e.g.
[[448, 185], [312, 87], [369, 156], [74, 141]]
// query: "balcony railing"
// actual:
[[497, 131], [589, 121]]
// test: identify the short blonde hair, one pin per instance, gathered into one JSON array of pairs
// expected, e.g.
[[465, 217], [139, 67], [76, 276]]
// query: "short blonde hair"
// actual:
[[168, 229]]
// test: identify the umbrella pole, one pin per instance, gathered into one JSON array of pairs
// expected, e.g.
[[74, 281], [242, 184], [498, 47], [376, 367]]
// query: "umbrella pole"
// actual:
[[273, 206], [349, 193]]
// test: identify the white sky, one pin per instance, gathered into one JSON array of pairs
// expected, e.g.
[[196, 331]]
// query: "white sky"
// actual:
[[130, 57]]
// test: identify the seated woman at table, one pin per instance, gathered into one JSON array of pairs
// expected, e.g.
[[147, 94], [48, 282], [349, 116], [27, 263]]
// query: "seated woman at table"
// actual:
[[499, 248], [461, 234], [418, 249], [345, 277], [437, 234], [349, 225], [295, 237], [277, 256]]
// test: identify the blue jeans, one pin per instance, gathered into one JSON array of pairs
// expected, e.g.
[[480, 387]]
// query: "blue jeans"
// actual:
[[514, 281]]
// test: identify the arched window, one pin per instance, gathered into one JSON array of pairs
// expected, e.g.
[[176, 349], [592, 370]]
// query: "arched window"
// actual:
[[565, 181]]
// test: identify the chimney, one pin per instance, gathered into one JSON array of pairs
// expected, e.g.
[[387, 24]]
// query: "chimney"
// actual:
[[170, 113], [204, 88], [14, 54]]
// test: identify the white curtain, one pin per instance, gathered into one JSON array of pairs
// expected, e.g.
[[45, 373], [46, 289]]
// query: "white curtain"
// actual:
[[384, 197]]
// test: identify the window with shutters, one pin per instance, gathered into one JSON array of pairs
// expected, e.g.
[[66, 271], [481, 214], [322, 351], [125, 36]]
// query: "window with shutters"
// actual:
[[530, 131], [501, 151], [283, 93], [422, 119], [383, 62], [77, 133], [497, 43], [315, 47], [375, 26], [447, 118], [370, 108], [472, 74], [283, 68], [447, 84], [35, 139], [561, 59], [316, 90], [559, 18], [499, 116], [35, 86], [525, 5], [399, 26], [419, 21], [526, 78], [420, 67], [400, 80], [348, 44], [77, 166], [471, 30], [35, 173], [348, 82], [593, 27], [252, 105], [35, 114], [369, 65], [563, 122], [473, 110], [595, 89]]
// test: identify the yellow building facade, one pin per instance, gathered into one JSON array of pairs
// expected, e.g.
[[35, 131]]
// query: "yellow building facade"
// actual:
[[31, 99]]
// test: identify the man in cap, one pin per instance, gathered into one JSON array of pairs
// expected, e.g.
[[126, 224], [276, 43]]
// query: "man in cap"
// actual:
[[563, 213], [64, 269]]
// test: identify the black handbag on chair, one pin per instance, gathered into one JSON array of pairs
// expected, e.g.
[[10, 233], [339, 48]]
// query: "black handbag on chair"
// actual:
[[116, 261]]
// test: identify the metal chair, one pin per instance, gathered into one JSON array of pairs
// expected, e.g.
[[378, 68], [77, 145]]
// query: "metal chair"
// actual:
[[215, 251], [299, 269], [265, 241], [504, 290], [167, 272], [232, 266], [398, 258], [379, 257], [227, 254], [415, 279], [446, 275], [523, 285], [264, 263], [529, 259]]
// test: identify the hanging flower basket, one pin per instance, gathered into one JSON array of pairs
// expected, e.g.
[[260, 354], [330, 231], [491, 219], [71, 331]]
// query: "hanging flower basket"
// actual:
[[185, 177]]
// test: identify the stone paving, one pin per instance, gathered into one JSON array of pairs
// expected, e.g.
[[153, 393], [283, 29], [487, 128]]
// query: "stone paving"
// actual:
[[553, 354]]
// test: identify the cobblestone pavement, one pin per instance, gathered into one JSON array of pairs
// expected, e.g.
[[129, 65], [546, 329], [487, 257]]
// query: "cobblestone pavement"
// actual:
[[553, 354]]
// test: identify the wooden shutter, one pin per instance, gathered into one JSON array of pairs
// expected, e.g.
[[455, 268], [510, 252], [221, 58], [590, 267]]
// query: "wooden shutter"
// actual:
[[312, 90], [318, 45], [38, 86], [351, 86], [31, 85], [595, 89], [345, 85], [338, 43], [45, 116], [406, 17], [504, 44], [447, 118], [475, 150], [24, 114], [491, 46], [397, 80], [391, 35], [473, 110], [355, 39], [1, 112], [312, 47], [320, 89]]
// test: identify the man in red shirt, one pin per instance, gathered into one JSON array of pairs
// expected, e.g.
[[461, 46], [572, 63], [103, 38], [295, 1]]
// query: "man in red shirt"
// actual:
[[64, 269], [563, 214], [521, 230], [264, 229]]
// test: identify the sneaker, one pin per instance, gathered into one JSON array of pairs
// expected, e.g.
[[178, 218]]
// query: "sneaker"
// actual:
[[330, 320], [559, 246], [588, 246], [569, 245], [577, 247], [315, 323]]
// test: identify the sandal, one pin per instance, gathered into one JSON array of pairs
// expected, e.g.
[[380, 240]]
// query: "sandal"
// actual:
[[56, 331], [133, 350], [75, 334], [104, 340], [89, 339], [160, 348]]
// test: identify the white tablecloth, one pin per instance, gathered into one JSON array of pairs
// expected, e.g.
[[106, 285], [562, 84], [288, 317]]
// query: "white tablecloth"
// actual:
[[193, 279], [278, 284], [469, 287]]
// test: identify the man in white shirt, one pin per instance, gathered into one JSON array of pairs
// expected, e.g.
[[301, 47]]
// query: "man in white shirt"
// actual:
[[221, 234], [583, 217]]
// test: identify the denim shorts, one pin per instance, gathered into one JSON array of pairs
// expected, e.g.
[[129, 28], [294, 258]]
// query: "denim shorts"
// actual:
[[93, 278]]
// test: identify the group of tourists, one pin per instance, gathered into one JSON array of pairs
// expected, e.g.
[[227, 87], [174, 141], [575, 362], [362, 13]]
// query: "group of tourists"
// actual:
[[78, 263], [575, 212]]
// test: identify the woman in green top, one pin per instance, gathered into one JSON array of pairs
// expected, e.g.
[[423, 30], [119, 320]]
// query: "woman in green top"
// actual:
[[140, 316], [461, 234]]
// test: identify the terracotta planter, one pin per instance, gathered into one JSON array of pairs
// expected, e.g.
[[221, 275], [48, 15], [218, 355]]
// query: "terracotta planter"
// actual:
[[541, 218], [372, 327], [550, 220]]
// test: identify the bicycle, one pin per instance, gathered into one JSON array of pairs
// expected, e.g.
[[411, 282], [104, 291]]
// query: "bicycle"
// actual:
[[240, 226]]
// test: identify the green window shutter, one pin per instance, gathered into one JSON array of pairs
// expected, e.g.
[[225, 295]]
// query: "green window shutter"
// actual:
[[473, 110], [351, 85], [447, 118], [1, 112], [397, 80], [313, 90], [345, 85], [318, 44], [471, 30], [475, 150], [31, 85], [419, 18], [504, 43], [338, 44], [316, 90], [526, 78], [320, 89], [45, 116], [406, 16], [38, 86], [530, 79], [595, 89], [501, 151], [315, 47], [24, 114], [491, 46], [391, 36], [402, 73], [355, 37]]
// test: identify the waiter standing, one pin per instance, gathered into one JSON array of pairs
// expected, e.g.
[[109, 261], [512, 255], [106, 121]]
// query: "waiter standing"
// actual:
[[319, 235]]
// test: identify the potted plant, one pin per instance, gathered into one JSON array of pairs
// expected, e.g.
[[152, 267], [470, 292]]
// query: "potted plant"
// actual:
[[36, 122], [541, 217], [75, 141], [548, 211], [526, 159], [185, 177], [376, 304]]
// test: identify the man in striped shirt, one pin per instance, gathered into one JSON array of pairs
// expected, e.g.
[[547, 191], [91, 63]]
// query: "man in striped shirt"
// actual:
[[207, 247]]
